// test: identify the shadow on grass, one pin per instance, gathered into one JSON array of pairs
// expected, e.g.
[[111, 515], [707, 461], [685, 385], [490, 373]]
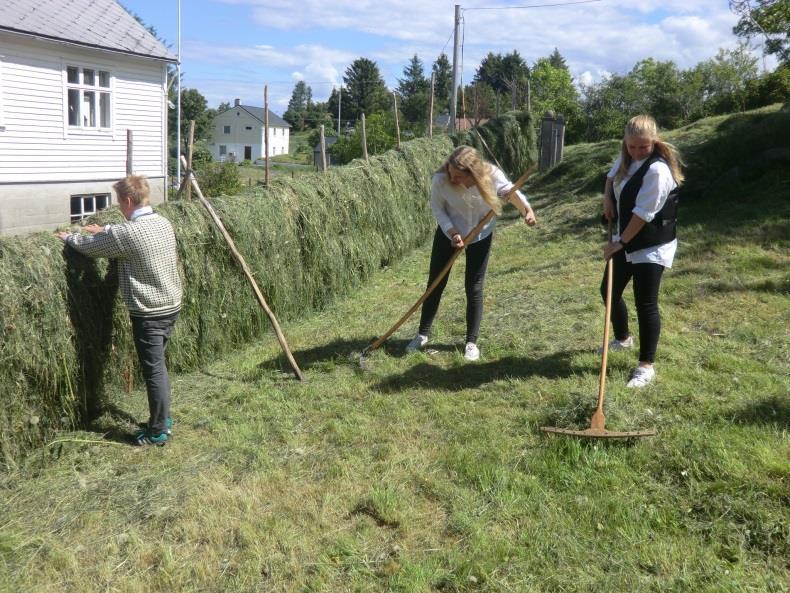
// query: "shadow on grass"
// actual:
[[771, 410], [469, 376], [91, 299]]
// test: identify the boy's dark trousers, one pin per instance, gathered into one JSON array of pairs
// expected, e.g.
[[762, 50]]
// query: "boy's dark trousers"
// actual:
[[151, 335]]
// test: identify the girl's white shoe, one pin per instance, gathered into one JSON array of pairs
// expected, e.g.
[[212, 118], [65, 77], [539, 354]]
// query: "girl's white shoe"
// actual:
[[641, 377], [471, 352], [417, 343]]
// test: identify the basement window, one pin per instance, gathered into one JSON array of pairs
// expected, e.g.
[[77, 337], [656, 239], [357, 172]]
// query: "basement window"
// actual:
[[83, 206], [88, 98]]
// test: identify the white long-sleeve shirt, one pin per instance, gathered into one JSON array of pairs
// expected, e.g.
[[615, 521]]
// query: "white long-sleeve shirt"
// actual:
[[462, 208], [656, 187]]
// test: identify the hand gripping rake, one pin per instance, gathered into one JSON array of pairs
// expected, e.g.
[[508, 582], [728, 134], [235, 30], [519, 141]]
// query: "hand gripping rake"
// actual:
[[597, 429], [471, 235]]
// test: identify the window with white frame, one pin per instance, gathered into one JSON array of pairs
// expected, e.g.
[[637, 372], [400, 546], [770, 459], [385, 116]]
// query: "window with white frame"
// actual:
[[85, 205], [223, 150], [226, 129], [89, 98]]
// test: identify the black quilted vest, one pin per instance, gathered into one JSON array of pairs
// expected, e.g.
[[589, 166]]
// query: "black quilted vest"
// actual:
[[656, 232]]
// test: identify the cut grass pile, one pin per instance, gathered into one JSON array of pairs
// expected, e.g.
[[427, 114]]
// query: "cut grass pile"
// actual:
[[422, 473], [64, 333]]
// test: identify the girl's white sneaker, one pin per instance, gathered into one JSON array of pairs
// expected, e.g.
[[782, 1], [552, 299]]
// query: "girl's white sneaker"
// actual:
[[641, 377], [417, 343], [471, 352]]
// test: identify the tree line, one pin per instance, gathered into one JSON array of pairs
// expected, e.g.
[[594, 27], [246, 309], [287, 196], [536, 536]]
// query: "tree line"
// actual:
[[731, 81]]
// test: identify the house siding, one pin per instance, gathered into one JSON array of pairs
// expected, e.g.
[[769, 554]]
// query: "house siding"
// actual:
[[40, 156]]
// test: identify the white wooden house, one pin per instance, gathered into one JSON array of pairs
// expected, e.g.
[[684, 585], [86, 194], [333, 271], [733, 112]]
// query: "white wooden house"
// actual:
[[238, 134], [74, 77]]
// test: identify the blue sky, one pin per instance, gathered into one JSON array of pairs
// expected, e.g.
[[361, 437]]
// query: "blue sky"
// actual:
[[232, 48]]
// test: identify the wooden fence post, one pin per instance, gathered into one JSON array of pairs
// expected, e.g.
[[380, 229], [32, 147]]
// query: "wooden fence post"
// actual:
[[397, 125], [130, 153], [266, 131], [189, 155], [323, 150], [364, 139], [430, 108]]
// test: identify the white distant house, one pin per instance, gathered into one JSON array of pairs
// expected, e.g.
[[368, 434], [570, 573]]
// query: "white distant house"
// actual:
[[74, 77], [238, 134]]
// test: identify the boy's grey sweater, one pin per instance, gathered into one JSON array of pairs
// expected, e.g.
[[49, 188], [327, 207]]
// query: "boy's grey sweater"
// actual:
[[147, 262]]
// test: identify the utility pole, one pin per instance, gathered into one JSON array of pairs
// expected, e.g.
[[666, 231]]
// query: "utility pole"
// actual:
[[339, 100], [454, 94], [178, 104]]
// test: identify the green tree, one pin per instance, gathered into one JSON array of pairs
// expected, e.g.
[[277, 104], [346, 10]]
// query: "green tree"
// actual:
[[768, 18], [727, 78], [380, 135], [413, 89], [298, 106], [193, 107], [506, 74], [556, 60], [364, 90], [442, 84], [552, 89], [661, 85]]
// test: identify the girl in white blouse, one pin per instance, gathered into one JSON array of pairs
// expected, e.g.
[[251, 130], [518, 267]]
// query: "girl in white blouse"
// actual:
[[640, 197], [463, 191]]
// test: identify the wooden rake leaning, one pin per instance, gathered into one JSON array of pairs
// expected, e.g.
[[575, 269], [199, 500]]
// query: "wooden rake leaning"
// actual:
[[446, 269], [245, 269], [597, 429]]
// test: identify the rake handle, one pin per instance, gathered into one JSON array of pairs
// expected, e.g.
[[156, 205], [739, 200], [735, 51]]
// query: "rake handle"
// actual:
[[598, 418], [246, 270]]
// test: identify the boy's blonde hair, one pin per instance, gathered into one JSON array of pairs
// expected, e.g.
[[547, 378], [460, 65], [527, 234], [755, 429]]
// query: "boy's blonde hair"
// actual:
[[468, 160], [134, 187], [644, 126]]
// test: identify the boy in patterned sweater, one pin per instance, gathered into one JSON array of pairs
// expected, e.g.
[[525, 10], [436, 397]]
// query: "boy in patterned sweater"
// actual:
[[145, 248]]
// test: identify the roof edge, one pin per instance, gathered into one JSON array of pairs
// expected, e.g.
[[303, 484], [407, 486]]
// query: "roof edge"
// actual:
[[172, 60]]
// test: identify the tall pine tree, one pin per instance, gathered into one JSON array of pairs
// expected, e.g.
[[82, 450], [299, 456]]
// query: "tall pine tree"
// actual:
[[364, 90], [442, 84], [414, 89]]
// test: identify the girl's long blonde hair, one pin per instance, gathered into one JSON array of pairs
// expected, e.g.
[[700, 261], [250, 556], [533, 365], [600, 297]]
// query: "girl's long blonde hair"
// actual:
[[468, 160], [644, 126]]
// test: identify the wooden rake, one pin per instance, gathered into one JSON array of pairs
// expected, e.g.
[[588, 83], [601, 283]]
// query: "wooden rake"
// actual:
[[247, 272], [446, 269], [597, 428]]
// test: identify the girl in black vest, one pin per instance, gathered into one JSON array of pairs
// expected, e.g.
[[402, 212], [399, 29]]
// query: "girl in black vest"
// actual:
[[640, 200]]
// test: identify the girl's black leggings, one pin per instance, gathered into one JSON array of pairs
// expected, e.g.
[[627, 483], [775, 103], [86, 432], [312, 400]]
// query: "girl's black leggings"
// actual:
[[647, 280], [476, 264]]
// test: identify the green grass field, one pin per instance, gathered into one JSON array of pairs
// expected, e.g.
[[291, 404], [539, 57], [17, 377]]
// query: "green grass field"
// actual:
[[425, 473]]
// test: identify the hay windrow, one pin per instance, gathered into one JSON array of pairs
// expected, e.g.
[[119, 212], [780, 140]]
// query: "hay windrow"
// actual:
[[309, 239]]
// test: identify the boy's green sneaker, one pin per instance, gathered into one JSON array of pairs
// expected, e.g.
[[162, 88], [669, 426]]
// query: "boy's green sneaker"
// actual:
[[168, 426], [144, 438]]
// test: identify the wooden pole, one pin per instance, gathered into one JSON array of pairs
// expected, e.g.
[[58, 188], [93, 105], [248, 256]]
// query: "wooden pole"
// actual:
[[323, 150], [471, 235], [397, 125], [364, 139], [430, 108], [189, 155], [243, 264], [266, 130], [339, 102], [129, 152]]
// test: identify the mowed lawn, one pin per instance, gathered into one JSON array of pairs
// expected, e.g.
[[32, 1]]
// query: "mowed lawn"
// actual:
[[425, 473]]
